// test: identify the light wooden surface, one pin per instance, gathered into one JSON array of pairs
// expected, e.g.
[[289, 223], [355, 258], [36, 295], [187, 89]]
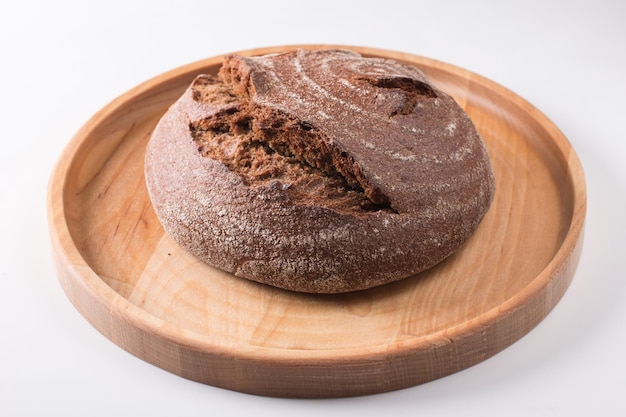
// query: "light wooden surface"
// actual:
[[143, 292]]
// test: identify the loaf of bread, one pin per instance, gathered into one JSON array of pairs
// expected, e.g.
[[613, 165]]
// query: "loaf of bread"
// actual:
[[318, 171]]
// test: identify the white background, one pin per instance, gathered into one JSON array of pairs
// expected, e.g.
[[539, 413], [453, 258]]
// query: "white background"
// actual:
[[61, 61]]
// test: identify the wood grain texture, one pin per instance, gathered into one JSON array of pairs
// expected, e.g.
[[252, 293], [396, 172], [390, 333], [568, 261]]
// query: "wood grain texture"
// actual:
[[143, 292]]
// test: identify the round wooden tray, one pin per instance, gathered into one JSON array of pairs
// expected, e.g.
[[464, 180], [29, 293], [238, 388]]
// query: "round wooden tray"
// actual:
[[143, 292]]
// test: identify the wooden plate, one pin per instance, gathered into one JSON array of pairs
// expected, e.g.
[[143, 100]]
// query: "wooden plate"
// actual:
[[138, 288]]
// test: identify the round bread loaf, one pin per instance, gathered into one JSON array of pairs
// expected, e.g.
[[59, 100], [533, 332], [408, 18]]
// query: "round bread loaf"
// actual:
[[318, 171]]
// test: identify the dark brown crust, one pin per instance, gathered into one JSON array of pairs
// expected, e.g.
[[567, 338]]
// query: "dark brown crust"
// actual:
[[401, 142]]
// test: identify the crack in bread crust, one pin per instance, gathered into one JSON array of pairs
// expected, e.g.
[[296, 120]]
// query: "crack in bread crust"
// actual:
[[262, 145]]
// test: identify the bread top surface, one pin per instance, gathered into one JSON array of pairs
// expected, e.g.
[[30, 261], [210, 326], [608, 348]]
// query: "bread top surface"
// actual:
[[378, 124], [318, 171]]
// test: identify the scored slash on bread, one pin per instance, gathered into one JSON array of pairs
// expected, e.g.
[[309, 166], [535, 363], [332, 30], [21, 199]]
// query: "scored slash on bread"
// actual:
[[262, 144]]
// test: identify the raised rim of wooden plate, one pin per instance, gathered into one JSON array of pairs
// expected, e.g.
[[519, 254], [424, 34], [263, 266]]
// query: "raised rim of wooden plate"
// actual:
[[308, 372]]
